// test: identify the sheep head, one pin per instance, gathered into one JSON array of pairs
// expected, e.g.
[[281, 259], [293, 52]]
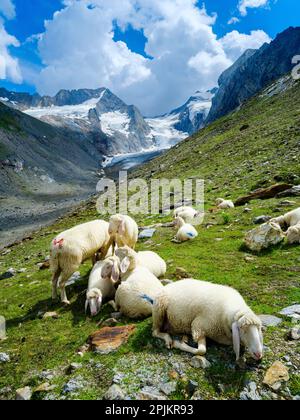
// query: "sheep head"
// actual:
[[110, 269], [247, 330], [179, 222], [219, 201], [127, 257], [116, 225], [293, 234], [93, 301]]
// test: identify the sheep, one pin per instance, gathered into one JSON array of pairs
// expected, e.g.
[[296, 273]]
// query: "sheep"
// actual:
[[123, 230], [292, 218], [188, 214], [224, 204], [185, 232], [206, 310], [71, 248], [293, 234], [155, 264], [137, 281], [102, 284]]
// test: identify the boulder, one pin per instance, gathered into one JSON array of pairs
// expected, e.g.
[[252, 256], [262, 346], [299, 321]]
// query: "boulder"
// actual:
[[291, 192], [109, 339], [270, 320], [264, 236], [114, 393], [24, 394], [276, 375]]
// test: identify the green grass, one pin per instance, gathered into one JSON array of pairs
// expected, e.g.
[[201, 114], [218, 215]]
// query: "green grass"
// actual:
[[232, 163]]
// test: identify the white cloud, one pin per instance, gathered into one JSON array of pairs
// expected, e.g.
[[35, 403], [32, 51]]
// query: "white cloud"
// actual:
[[78, 51], [7, 9], [233, 21], [251, 4], [9, 66], [235, 43]]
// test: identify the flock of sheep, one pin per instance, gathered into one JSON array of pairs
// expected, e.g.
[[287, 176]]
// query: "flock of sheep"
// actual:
[[130, 281]]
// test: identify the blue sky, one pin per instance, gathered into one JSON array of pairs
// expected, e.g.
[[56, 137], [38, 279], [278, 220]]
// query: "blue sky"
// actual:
[[151, 53]]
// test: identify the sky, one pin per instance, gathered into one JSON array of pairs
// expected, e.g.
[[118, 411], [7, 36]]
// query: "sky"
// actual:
[[151, 53]]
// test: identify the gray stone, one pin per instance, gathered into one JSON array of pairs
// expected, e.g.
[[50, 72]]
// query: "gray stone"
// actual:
[[250, 393], [147, 233], [291, 310], [295, 333], [200, 362], [73, 367], [74, 278], [168, 388], [73, 386], [24, 394], [261, 219], [270, 320], [151, 394], [264, 236], [197, 396], [4, 358], [114, 393]]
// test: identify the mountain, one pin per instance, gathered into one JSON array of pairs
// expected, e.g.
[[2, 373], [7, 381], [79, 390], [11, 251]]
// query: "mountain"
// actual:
[[97, 116], [253, 71], [189, 118]]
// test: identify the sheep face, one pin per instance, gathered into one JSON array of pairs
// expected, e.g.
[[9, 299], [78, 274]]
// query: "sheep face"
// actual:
[[93, 301], [178, 222], [127, 258], [250, 336], [110, 270], [116, 226], [219, 201]]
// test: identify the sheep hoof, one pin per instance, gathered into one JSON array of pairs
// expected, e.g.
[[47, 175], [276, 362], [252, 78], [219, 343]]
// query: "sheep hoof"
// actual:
[[66, 302]]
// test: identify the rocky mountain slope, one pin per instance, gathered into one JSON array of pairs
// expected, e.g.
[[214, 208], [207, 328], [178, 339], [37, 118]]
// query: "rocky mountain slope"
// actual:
[[253, 71], [256, 146]]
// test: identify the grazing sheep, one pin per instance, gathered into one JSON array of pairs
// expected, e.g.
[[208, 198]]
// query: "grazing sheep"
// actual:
[[293, 234], [224, 204], [102, 284], [206, 310], [185, 232], [188, 214], [292, 218], [123, 230], [71, 248], [136, 283], [155, 264]]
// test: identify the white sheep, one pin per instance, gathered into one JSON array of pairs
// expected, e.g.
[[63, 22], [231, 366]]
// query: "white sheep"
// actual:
[[224, 204], [188, 214], [102, 284], [71, 248], [185, 231], [293, 234], [136, 283], [292, 218], [149, 259], [206, 310], [123, 231]]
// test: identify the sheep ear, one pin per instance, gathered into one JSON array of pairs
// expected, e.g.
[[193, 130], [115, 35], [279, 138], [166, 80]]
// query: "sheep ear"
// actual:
[[125, 265], [236, 339], [122, 228], [115, 273]]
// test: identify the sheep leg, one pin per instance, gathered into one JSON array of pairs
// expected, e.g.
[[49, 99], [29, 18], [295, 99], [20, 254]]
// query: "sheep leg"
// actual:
[[184, 347], [112, 303], [199, 336], [62, 285], [55, 279], [165, 337]]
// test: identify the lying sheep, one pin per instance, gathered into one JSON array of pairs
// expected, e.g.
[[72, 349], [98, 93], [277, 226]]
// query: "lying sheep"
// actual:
[[188, 214], [102, 284], [293, 234], [291, 218], [185, 232], [71, 248], [206, 310], [123, 231], [140, 281], [224, 204], [155, 264]]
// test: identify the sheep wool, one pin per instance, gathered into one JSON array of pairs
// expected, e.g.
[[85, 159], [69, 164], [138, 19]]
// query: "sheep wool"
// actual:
[[224, 204], [292, 218], [293, 234], [188, 214], [186, 231]]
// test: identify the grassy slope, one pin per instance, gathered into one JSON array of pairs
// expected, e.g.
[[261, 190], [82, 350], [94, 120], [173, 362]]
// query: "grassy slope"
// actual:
[[232, 162]]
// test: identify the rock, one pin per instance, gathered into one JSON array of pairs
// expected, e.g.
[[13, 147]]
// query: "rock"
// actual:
[[263, 193], [74, 278], [73, 367], [247, 210], [109, 339], [197, 396], [147, 233], [291, 192], [73, 386], [275, 375], [261, 219], [250, 393], [291, 310], [52, 315], [8, 274], [47, 375], [287, 203], [114, 393], [191, 387], [4, 358], [181, 273], [24, 394], [168, 388], [110, 322], [46, 387], [199, 362], [295, 333], [296, 398], [264, 236], [116, 315], [270, 321], [150, 394], [22, 270]]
